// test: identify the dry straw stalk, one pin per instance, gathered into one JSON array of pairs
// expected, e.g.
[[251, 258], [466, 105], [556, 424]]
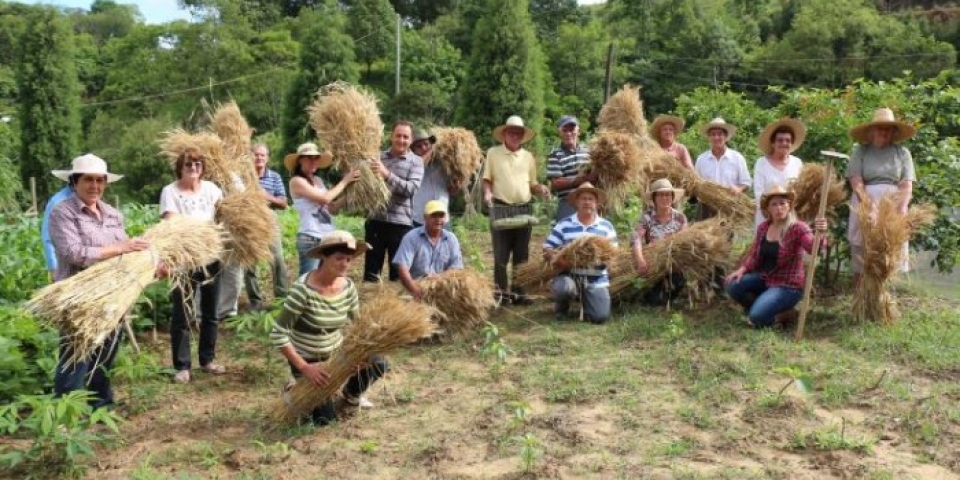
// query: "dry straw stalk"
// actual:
[[463, 299], [228, 123], [385, 324], [616, 160], [251, 227], [808, 186], [458, 153], [584, 252], [623, 113], [90, 305]]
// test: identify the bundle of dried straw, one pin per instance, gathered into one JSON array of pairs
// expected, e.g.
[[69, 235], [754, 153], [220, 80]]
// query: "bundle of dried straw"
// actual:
[[808, 186], [251, 227], [737, 207], [347, 122], [385, 324], [459, 154], [623, 113], [217, 168], [90, 305], [616, 159], [584, 252], [884, 231], [463, 299], [228, 123]]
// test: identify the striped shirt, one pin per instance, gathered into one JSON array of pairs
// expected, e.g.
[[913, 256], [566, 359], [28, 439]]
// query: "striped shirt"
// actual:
[[563, 163], [273, 183], [568, 230], [406, 173], [313, 323], [423, 258], [79, 235]]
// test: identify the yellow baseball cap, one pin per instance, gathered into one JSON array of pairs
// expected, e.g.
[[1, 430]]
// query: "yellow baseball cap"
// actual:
[[434, 206]]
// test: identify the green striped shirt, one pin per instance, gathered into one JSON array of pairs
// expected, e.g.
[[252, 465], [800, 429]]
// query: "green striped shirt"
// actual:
[[313, 323]]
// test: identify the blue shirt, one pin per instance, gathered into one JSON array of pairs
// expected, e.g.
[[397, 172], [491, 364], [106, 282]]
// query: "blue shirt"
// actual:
[[48, 252], [570, 229], [432, 187], [423, 258], [273, 183]]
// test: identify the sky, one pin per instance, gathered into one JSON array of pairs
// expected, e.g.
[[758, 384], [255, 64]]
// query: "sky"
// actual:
[[161, 11]]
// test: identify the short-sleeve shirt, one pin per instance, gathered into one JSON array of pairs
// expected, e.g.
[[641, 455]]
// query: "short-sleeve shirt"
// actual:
[[314, 323], [78, 235], [511, 174], [888, 165], [201, 205], [569, 229], [564, 162], [424, 258], [653, 229], [433, 187], [730, 170], [273, 183], [766, 176]]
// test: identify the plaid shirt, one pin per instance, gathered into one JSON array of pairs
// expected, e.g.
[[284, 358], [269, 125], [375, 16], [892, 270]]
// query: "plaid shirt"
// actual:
[[79, 235], [406, 173], [789, 271], [563, 163]]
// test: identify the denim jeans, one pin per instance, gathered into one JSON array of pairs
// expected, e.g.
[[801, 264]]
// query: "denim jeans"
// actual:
[[355, 386], [304, 244], [762, 303], [74, 377], [595, 301]]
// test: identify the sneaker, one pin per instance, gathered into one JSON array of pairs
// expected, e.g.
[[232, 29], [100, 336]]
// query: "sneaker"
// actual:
[[360, 401], [214, 369], [182, 376]]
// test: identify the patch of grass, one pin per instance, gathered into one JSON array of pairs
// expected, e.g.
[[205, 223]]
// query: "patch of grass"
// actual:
[[697, 417], [677, 448], [831, 438], [563, 382], [925, 339]]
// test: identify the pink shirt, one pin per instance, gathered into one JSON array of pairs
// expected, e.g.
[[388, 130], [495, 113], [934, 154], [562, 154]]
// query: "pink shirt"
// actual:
[[680, 152], [79, 236]]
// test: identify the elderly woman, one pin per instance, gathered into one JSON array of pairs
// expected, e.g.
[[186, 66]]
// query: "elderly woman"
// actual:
[[770, 282], [315, 204], [660, 220], [191, 195], [878, 166], [664, 130], [84, 231], [777, 166], [309, 328]]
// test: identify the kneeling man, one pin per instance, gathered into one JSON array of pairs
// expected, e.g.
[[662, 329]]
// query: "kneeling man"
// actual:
[[427, 250]]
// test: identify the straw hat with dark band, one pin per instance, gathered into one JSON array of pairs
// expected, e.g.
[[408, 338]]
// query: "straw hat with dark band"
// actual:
[[307, 150], [663, 185], [338, 238], [721, 124], [776, 191], [796, 126], [421, 135], [587, 187], [514, 122], [662, 120], [89, 164], [883, 117]]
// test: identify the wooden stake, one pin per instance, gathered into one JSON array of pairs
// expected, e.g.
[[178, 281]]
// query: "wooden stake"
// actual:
[[817, 237], [133, 338]]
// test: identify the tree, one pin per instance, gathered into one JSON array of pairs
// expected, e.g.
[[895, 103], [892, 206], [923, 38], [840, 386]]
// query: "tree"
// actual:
[[372, 24], [549, 15], [48, 97], [577, 61], [432, 70], [422, 12], [506, 72]]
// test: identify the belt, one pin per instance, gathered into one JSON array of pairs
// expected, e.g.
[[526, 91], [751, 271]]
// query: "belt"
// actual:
[[307, 238]]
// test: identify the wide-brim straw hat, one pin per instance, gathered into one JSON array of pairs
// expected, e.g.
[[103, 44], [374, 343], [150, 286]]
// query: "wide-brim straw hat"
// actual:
[[514, 121], [796, 126], [89, 164], [663, 185], [338, 238], [776, 191], [883, 117], [586, 187], [307, 149], [721, 124], [662, 120]]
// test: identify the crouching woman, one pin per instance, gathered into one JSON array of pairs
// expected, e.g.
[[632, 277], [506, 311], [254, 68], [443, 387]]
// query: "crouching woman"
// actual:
[[309, 328], [770, 282]]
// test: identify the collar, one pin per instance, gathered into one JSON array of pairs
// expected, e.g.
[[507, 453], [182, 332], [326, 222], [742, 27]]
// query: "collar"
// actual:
[[82, 207], [423, 233], [596, 220]]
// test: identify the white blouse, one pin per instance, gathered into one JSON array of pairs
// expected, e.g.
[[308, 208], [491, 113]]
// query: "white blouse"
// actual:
[[766, 176]]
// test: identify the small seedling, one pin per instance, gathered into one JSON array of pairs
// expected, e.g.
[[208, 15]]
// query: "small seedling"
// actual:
[[369, 447], [798, 378], [520, 410], [530, 450]]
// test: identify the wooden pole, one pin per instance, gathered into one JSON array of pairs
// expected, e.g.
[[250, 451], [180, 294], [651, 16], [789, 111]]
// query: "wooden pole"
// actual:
[[817, 237], [396, 87], [33, 194], [609, 73]]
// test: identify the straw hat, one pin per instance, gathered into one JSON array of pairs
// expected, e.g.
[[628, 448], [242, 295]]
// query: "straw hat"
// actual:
[[88, 163], [776, 191], [883, 117], [421, 135], [662, 120], [586, 187], [721, 124], [307, 149], [796, 126], [514, 121], [663, 185], [338, 238]]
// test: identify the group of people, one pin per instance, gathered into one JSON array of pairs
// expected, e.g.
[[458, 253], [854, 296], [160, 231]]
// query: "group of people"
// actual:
[[412, 233]]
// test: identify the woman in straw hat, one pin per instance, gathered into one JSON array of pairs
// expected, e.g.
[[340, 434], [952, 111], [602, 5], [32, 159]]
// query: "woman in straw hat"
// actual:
[[770, 281], [315, 204], [878, 166], [309, 328], [84, 231], [777, 166], [664, 130], [660, 220], [193, 196]]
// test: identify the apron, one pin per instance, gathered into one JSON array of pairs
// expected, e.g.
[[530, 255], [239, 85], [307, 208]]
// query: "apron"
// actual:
[[876, 192]]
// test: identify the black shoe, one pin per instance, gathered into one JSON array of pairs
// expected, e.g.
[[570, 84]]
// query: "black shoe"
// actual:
[[522, 300]]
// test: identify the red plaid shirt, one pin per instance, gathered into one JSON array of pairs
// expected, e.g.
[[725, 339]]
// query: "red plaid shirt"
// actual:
[[789, 271]]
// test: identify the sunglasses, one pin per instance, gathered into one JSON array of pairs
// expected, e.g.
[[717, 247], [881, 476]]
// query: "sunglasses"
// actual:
[[193, 164]]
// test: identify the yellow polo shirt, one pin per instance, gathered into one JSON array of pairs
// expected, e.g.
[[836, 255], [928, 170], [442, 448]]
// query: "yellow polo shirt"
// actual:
[[510, 173]]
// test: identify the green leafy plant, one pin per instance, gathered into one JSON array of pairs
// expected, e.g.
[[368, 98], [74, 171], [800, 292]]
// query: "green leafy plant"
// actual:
[[530, 450], [798, 378], [494, 347], [832, 438], [519, 410]]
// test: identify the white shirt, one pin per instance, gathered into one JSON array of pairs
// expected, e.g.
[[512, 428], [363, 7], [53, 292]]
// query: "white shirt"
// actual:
[[729, 170], [201, 205], [766, 176]]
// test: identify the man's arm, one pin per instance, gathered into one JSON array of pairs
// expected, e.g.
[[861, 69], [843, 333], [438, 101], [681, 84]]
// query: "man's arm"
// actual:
[[406, 187]]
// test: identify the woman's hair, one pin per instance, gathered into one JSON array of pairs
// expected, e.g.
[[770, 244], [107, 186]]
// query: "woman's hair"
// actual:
[[297, 171], [782, 129], [787, 222], [74, 178], [335, 249], [192, 154]]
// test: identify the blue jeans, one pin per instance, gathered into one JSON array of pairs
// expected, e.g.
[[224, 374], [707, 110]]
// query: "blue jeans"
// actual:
[[69, 378], [762, 303], [304, 244]]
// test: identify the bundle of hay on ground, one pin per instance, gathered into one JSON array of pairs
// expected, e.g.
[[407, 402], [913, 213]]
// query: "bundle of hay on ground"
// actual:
[[463, 299], [533, 274], [808, 186], [385, 324], [90, 305], [884, 231], [623, 113], [458, 153], [228, 123], [217, 166], [251, 227], [347, 122], [615, 159]]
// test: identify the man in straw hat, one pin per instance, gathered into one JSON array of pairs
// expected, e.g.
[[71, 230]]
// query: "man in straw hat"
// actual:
[[402, 170], [565, 164], [879, 166], [428, 250], [509, 181], [436, 184], [777, 166], [721, 164], [590, 285], [664, 130], [85, 230], [660, 219]]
